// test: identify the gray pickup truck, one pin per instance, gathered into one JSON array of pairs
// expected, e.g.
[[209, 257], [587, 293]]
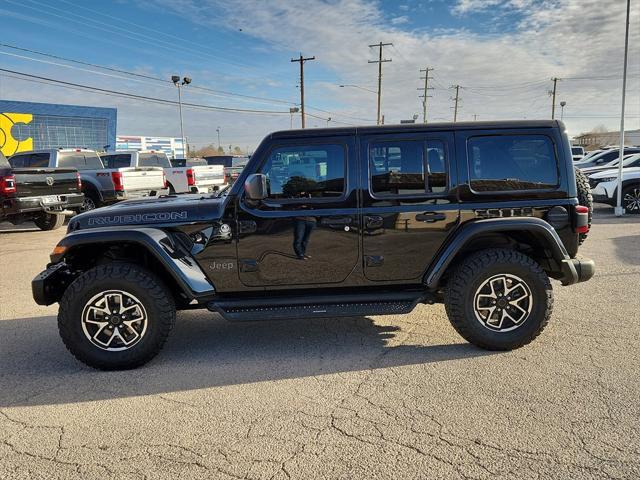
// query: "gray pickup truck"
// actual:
[[100, 185]]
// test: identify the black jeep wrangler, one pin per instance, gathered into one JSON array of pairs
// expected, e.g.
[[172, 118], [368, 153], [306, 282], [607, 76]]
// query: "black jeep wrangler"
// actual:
[[336, 222]]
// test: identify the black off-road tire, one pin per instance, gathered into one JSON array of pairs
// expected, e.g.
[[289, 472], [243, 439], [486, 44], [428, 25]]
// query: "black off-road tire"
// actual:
[[584, 198], [476, 269], [133, 279], [49, 221]]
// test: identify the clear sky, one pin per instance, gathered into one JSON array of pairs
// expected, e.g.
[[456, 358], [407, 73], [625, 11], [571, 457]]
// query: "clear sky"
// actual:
[[503, 53]]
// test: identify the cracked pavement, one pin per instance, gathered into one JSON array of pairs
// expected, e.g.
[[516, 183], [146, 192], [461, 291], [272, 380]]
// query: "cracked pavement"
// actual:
[[374, 397]]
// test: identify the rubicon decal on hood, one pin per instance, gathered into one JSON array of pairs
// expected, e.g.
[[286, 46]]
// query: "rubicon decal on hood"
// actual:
[[138, 218]]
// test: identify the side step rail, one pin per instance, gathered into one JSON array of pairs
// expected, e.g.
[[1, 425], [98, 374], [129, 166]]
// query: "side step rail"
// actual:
[[312, 306]]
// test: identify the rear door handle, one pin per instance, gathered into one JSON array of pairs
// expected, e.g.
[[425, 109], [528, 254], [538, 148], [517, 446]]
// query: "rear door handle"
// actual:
[[336, 221], [430, 217], [373, 221]]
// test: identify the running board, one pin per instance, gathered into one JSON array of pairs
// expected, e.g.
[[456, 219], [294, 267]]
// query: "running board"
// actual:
[[266, 308]]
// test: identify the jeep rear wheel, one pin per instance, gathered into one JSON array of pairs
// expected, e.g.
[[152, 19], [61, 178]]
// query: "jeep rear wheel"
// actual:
[[116, 316], [499, 299]]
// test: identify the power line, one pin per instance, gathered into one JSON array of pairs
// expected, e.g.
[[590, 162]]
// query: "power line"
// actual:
[[142, 97]]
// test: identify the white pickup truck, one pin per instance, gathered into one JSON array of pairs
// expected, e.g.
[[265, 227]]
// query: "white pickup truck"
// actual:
[[192, 176], [101, 184]]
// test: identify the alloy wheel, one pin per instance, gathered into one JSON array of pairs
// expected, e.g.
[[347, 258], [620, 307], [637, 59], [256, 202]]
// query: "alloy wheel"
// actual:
[[114, 320], [503, 302], [631, 200]]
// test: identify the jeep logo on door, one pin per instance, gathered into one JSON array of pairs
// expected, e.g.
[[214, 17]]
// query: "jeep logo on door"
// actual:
[[49, 181]]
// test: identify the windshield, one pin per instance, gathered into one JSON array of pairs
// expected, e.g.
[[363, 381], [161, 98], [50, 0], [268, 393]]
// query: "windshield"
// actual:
[[577, 150]]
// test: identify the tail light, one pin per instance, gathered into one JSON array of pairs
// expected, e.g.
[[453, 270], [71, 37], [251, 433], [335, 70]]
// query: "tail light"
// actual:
[[191, 177], [582, 219], [118, 186], [79, 179], [8, 184]]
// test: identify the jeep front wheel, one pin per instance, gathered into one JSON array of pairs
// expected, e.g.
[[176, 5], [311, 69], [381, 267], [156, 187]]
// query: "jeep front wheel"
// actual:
[[116, 316], [499, 299]]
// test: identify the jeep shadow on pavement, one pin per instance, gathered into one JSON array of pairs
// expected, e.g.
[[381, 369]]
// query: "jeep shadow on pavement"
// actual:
[[337, 222]]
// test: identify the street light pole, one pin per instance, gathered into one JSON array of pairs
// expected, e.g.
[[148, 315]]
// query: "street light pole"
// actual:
[[619, 211], [562, 105], [185, 81]]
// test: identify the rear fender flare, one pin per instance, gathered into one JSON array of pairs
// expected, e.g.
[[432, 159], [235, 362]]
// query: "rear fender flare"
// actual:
[[183, 268], [470, 230]]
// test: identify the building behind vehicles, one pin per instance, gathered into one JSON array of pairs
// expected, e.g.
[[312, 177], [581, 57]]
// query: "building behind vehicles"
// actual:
[[101, 186], [233, 165], [337, 222], [194, 176], [39, 194]]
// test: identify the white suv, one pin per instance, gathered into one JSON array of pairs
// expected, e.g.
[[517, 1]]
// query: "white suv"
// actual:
[[604, 188]]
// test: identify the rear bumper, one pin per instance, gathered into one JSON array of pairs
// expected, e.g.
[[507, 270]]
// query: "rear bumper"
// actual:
[[576, 270], [24, 205], [49, 285]]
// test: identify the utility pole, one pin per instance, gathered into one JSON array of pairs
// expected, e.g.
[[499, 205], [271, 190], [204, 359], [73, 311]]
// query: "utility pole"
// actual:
[[553, 95], [426, 89], [380, 61], [456, 100], [301, 60], [475, 117], [218, 131]]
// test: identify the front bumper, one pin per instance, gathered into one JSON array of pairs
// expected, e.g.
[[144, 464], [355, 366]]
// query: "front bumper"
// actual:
[[49, 285], [603, 192], [576, 270]]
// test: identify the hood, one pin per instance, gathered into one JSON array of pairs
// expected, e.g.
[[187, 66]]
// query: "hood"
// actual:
[[165, 211], [613, 172]]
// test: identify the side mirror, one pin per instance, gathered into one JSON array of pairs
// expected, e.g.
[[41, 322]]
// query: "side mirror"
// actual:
[[255, 187]]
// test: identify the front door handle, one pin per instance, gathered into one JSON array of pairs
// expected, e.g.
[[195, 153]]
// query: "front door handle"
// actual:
[[430, 217]]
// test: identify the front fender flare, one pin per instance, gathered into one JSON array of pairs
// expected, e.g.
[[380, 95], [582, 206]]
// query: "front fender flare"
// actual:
[[468, 231], [183, 268]]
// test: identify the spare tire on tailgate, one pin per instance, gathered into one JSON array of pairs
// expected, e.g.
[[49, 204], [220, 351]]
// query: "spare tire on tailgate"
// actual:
[[584, 198]]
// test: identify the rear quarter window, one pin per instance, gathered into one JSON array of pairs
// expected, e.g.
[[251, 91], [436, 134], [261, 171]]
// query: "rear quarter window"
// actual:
[[511, 162], [80, 160]]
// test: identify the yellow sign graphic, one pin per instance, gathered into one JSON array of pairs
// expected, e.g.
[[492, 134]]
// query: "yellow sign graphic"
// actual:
[[8, 144]]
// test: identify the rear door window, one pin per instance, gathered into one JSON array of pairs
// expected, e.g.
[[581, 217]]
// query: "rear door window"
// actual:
[[511, 162], [19, 161], [411, 167], [38, 160]]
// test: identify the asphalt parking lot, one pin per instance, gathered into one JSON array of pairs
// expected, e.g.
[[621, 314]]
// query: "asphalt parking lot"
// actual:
[[378, 397]]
